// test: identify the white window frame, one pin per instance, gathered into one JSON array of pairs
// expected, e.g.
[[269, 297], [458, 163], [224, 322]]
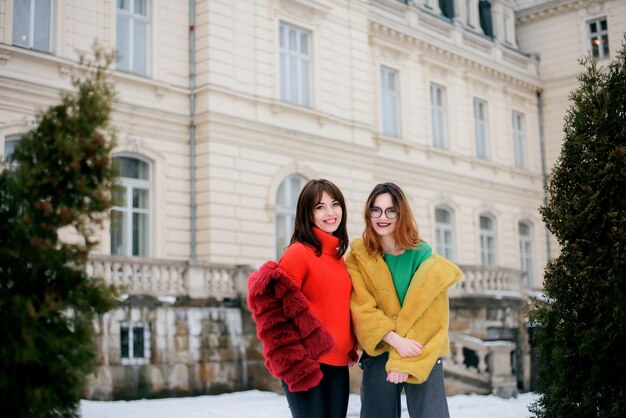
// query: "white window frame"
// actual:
[[130, 185], [438, 113], [519, 139], [527, 263], [33, 26], [389, 102], [600, 38], [444, 233], [286, 213], [481, 128], [487, 241], [469, 7], [131, 359], [295, 64], [127, 56]]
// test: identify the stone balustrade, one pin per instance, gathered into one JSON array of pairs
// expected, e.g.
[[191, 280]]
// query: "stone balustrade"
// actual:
[[154, 277], [486, 365], [492, 281]]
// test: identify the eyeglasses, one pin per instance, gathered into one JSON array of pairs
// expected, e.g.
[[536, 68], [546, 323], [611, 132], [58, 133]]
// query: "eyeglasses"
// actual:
[[390, 213]]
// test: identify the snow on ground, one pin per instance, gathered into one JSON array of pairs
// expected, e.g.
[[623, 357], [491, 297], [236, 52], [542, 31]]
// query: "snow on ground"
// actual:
[[257, 404]]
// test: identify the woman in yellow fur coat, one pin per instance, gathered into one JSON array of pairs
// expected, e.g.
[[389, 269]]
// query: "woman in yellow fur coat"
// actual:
[[399, 308]]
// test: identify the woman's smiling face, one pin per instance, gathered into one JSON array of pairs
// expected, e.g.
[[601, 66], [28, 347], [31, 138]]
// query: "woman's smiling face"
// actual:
[[383, 225], [327, 214]]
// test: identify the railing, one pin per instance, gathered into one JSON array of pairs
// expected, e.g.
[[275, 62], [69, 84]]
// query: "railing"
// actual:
[[486, 365], [495, 281], [149, 276]]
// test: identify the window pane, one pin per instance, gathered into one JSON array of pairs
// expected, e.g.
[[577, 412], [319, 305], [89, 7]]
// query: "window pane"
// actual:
[[21, 17], [292, 40], [138, 342], [283, 36], [305, 84], [304, 43], [281, 233], [485, 223], [593, 27], [442, 216], [524, 229], [123, 48], [42, 25], [141, 7], [118, 232], [9, 146], [132, 168], [141, 199], [122, 4], [140, 234], [124, 341], [281, 195], [140, 48], [603, 24]]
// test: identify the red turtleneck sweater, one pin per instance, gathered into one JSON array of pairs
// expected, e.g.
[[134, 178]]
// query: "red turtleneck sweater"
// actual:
[[325, 282]]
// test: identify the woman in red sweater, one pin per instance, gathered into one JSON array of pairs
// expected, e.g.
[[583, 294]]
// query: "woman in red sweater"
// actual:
[[314, 261]]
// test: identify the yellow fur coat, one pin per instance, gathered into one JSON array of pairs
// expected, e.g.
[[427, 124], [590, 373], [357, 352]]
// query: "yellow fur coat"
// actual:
[[424, 316]]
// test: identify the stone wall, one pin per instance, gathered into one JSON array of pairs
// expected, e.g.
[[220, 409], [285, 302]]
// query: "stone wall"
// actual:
[[191, 348]]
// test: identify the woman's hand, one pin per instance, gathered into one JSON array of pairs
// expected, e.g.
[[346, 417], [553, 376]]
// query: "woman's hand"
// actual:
[[397, 377], [404, 346]]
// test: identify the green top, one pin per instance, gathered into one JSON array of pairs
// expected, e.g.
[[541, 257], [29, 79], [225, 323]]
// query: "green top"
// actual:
[[404, 266]]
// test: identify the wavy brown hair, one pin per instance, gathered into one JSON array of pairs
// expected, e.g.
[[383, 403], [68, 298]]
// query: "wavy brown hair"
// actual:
[[406, 233], [310, 196]]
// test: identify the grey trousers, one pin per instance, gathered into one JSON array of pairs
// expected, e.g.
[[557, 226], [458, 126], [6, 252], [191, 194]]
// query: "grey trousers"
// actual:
[[381, 399]]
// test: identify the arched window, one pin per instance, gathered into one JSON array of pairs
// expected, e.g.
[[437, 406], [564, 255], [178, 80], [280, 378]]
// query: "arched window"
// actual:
[[487, 240], [286, 199], [130, 217], [526, 251], [444, 232]]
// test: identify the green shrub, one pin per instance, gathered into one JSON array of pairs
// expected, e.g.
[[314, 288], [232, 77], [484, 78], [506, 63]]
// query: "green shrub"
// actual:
[[581, 333], [59, 176]]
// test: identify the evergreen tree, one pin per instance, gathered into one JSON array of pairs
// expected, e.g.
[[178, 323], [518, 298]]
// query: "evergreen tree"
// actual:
[[581, 324], [59, 176]]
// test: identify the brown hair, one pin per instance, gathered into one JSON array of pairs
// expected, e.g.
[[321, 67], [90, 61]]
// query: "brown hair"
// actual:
[[406, 233], [310, 196]]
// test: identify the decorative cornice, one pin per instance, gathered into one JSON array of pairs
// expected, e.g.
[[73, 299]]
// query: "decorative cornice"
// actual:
[[547, 8], [393, 36]]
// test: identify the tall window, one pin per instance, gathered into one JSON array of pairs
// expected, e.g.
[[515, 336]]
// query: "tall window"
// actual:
[[526, 251], [485, 18], [487, 241], [447, 8], [10, 142], [134, 342], [389, 100], [130, 217], [32, 24], [438, 106], [480, 127], [518, 140], [132, 36], [444, 232], [598, 38], [286, 200], [295, 65]]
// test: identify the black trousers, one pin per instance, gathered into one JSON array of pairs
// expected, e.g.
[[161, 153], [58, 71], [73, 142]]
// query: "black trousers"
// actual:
[[329, 399], [381, 399]]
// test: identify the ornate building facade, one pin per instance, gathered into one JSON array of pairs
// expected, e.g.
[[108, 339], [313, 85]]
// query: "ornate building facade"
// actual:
[[226, 108]]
